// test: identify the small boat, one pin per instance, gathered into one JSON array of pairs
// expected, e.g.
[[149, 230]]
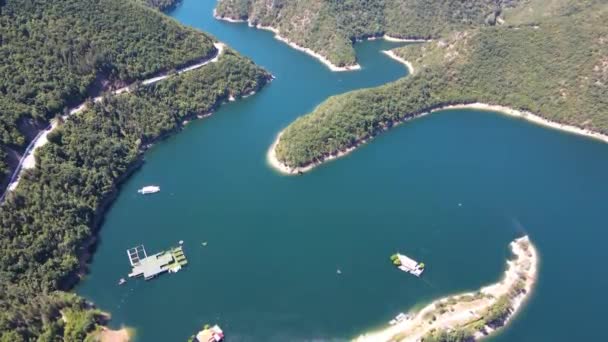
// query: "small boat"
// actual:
[[339, 271], [150, 189], [121, 281], [204, 244]]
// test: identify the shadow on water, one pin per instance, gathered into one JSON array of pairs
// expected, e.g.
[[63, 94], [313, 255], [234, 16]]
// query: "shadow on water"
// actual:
[[451, 190]]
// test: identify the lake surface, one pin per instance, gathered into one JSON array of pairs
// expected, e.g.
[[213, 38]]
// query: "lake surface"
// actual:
[[450, 189]]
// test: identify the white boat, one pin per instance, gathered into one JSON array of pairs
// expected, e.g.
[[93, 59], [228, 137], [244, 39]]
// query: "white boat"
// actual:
[[150, 189]]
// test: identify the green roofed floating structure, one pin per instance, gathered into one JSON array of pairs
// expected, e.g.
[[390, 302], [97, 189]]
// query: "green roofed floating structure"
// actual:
[[407, 264], [150, 266], [209, 334]]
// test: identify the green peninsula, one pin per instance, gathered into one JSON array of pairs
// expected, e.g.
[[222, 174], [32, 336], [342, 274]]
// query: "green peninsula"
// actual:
[[552, 66]]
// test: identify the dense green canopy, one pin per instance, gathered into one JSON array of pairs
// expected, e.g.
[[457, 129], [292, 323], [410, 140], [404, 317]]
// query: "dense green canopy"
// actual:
[[162, 5], [46, 222], [459, 335], [56, 53]]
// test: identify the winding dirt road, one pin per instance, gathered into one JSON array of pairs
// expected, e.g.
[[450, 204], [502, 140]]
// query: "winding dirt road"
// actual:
[[28, 161]]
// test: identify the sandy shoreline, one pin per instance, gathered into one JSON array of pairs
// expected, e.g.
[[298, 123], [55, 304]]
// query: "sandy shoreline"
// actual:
[[405, 40], [108, 335], [277, 35], [461, 312], [528, 116], [394, 56], [531, 117]]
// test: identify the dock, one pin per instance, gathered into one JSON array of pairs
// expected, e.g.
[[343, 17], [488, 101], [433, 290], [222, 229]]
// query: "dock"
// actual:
[[210, 334], [407, 264], [149, 267]]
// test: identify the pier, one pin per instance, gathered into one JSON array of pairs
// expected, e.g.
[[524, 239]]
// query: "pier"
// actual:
[[150, 266]]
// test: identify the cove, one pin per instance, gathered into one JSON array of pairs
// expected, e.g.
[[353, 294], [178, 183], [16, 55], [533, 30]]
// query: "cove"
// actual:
[[451, 189]]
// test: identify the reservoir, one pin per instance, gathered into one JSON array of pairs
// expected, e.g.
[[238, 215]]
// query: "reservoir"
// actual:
[[450, 189]]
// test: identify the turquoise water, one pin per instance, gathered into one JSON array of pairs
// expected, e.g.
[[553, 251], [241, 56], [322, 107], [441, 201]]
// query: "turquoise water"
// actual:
[[450, 189]]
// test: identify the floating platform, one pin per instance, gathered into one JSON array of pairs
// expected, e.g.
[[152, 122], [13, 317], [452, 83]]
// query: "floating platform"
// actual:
[[210, 334], [150, 266], [407, 264]]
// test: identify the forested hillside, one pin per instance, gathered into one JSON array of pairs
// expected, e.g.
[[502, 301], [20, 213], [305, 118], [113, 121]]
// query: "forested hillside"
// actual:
[[56, 53], [162, 5], [555, 67], [330, 27], [531, 12], [46, 223]]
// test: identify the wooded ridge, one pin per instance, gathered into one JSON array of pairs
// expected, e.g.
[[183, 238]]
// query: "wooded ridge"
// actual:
[[330, 27], [54, 54], [57, 53], [555, 67]]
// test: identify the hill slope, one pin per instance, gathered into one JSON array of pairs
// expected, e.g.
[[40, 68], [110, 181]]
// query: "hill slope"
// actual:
[[556, 68], [47, 223], [330, 27], [56, 53]]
